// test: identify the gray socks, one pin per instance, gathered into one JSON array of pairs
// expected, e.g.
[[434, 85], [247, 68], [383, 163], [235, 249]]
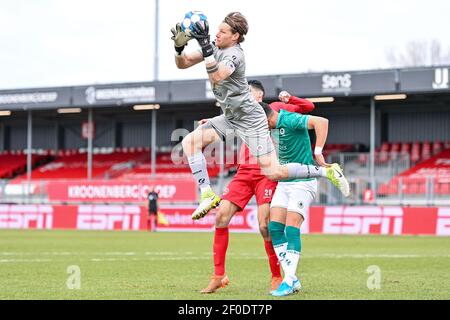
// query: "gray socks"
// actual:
[[304, 171], [197, 162]]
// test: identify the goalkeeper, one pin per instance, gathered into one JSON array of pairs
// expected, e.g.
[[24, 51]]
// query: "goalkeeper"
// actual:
[[225, 65]]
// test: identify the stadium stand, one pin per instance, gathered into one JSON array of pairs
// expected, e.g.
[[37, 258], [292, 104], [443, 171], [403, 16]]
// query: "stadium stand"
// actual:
[[72, 164], [337, 147], [414, 180], [417, 151], [13, 163], [108, 163]]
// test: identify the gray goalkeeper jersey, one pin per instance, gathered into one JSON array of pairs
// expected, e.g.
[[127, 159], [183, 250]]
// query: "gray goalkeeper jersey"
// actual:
[[233, 93]]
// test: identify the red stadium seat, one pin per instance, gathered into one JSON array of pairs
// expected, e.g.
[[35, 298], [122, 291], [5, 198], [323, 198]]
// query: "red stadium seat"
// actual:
[[437, 188], [408, 188], [382, 189], [445, 189], [415, 179], [415, 152], [362, 158], [382, 154], [70, 164], [383, 157], [15, 163], [442, 189], [426, 151], [385, 147], [447, 145], [437, 147], [422, 188], [395, 147], [405, 148], [395, 150], [388, 188]]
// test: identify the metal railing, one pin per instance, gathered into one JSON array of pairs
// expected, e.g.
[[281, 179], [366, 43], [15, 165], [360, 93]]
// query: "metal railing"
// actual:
[[386, 187], [427, 191], [387, 164]]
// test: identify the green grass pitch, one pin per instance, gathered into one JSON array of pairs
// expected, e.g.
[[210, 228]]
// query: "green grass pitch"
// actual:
[[141, 265]]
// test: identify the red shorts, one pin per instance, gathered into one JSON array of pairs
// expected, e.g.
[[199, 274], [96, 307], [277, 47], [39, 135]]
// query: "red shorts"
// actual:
[[247, 183]]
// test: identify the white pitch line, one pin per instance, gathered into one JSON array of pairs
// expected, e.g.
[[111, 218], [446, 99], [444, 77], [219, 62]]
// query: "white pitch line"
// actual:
[[53, 253], [24, 260], [118, 253], [370, 255], [180, 256], [149, 259]]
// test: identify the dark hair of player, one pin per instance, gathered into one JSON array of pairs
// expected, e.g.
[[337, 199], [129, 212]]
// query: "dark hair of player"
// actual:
[[238, 23], [267, 109], [257, 85]]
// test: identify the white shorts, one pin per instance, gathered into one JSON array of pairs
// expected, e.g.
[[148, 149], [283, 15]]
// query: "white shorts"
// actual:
[[295, 196]]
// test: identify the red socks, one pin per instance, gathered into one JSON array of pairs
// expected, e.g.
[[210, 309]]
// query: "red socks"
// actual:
[[220, 250], [220, 247], [273, 260]]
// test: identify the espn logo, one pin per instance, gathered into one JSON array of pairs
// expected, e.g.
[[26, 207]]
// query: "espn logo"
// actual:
[[108, 217], [363, 220], [26, 217]]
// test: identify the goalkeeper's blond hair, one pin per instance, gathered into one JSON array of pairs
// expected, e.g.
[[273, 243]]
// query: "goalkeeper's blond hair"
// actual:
[[238, 23]]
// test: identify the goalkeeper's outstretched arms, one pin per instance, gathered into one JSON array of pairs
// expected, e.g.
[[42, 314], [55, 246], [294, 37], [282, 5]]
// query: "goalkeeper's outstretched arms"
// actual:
[[292, 103], [181, 39]]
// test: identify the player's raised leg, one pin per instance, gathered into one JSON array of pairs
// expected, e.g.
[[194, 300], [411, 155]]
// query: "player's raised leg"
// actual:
[[262, 148], [271, 167], [193, 144]]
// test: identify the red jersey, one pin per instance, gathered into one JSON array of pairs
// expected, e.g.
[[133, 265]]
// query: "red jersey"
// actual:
[[294, 104], [299, 105]]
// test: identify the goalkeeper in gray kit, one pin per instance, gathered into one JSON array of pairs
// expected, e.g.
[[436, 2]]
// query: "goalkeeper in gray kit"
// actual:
[[225, 64]]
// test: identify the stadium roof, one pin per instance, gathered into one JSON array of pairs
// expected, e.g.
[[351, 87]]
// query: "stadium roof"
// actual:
[[334, 84]]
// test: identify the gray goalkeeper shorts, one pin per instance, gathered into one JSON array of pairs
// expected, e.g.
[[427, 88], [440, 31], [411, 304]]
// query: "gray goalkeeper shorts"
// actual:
[[252, 128]]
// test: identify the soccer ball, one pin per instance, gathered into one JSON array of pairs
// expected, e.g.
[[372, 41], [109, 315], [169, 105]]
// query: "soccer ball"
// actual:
[[190, 19]]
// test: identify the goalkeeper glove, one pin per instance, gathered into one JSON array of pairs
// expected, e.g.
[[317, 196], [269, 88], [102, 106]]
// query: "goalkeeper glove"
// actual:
[[180, 38], [201, 34]]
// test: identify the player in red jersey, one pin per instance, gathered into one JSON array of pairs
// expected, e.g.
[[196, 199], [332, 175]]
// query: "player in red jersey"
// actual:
[[249, 181]]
